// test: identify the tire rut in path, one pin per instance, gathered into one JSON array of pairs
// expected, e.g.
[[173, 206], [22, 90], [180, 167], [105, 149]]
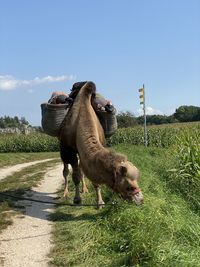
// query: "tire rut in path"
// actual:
[[27, 241]]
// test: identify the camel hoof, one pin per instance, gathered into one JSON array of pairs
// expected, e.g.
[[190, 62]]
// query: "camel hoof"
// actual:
[[85, 191], [66, 194], [77, 200], [100, 205]]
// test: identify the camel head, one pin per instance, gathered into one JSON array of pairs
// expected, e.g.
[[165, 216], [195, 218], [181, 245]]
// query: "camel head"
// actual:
[[126, 182]]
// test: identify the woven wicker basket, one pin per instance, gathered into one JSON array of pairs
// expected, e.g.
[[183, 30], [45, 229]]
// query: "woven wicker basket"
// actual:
[[108, 122], [52, 117]]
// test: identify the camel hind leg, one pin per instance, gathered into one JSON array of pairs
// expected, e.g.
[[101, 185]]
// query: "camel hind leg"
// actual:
[[65, 175], [84, 186], [76, 177], [69, 156]]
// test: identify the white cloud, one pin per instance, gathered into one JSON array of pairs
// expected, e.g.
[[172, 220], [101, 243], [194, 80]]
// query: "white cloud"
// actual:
[[8, 82], [150, 111]]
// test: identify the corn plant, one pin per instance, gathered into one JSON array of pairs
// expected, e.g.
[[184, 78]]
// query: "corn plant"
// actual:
[[158, 136], [28, 143], [186, 174]]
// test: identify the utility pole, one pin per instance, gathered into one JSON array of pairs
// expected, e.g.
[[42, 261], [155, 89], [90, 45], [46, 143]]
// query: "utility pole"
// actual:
[[142, 102]]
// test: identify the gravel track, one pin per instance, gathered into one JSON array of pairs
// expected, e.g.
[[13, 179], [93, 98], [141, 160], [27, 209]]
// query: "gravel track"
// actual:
[[27, 242]]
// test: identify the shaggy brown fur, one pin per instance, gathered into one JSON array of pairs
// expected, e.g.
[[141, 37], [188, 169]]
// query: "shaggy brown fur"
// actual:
[[82, 134]]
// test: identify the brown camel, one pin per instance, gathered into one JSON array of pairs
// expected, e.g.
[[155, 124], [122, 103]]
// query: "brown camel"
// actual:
[[82, 135]]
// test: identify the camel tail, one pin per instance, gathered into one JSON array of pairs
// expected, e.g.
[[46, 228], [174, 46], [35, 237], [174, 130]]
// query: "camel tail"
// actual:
[[89, 88]]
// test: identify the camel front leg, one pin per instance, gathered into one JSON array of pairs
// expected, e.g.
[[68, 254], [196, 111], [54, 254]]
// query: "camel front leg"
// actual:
[[76, 177], [84, 187], [100, 202]]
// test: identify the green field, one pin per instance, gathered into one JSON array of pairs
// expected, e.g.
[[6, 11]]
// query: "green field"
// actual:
[[164, 231]]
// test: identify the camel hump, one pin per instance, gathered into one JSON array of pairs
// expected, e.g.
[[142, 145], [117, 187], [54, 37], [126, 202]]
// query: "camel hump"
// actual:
[[89, 88]]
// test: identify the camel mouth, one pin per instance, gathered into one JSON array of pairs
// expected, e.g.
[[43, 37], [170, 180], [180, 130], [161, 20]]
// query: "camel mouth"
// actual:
[[136, 198]]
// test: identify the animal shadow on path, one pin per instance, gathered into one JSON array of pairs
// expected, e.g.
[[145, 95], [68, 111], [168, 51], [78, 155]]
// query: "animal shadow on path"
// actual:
[[42, 210]]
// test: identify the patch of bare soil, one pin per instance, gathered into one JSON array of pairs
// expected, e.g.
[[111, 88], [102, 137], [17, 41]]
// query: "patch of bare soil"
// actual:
[[27, 241]]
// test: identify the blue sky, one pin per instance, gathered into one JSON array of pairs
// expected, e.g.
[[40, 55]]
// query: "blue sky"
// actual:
[[47, 45]]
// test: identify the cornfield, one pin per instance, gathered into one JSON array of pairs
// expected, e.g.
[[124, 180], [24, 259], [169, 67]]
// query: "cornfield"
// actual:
[[158, 136], [28, 143], [185, 177]]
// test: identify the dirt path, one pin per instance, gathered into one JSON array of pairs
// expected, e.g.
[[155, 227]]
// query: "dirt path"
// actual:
[[27, 241], [10, 170]]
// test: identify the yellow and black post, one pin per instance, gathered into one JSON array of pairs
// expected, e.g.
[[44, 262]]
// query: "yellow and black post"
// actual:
[[142, 102]]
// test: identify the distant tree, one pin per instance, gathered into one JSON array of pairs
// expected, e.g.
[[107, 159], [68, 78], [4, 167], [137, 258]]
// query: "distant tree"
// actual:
[[126, 119], [156, 119], [171, 119], [24, 121], [197, 118], [9, 122], [182, 114], [140, 120], [187, 113], [2, 123], [38, 128], [16, 119]]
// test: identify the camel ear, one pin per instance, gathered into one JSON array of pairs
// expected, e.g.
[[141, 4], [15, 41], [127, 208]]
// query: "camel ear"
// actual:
[[123, 170]]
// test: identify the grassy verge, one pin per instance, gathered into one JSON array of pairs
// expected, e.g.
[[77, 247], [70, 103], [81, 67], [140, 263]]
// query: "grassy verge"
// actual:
[[17, 184], [8, 159], [162, 232]]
